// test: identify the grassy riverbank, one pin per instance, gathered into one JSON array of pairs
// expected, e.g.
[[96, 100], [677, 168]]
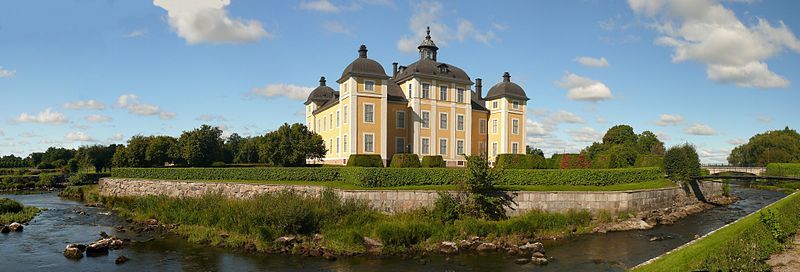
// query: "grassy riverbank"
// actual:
[[741, 246], [342, 223], [12, 211]]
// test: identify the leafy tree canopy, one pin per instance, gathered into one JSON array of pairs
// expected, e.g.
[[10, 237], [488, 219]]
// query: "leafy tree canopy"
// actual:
[[779, 146]]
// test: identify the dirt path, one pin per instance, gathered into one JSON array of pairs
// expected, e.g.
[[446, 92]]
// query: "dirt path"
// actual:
[[788, 260]]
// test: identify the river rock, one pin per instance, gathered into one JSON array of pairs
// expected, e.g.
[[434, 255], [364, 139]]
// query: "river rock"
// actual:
[[318, 237], [485, 247], [151, 222], [538, 255], [532, 247], [286, 240], [329, 256], [448, 247], [4, 229], [121, 259], [372, 245], [522, 261], [73, 252], [15, 227], [96, 249], [103, 234], [538, 261]]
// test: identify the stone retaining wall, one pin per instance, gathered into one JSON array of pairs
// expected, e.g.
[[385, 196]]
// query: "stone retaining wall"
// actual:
[[403, 200]]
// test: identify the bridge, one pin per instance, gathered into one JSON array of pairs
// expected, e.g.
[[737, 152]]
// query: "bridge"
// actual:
[[716, 169]]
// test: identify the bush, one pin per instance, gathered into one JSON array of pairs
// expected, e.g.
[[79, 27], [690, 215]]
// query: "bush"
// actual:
[[433, 161], [647, 160], [9, 206], [405, 160], [49, 180], [84, 179], [783, 169], [570, 161], [579, 177], [446, 208], [218, 164], [18, 182], [365, 160], [251, 173], [403, 233], [681, 162], [45, 165], [394, 177], [521, 161]]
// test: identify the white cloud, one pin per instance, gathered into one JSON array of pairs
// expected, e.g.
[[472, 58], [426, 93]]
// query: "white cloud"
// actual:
[[601, 120], [669, 120], [7, 73], [699, 129], [78, 137], [566, 117], [592, 62], [337, 28], [707, 32], [319, 5], [663, 136], [48, 116], [117, 137], [533, 128], [97, 118], [585, 135], [207, 21], [287, 90], [430, 14], [135, 34], [764, 119], [2, 133], [737, 141], [583, 88], [132, 104], [85, 104], [713, 155], [210, 118]]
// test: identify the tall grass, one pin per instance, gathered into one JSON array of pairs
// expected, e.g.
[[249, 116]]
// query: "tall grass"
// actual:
[[13, 211]]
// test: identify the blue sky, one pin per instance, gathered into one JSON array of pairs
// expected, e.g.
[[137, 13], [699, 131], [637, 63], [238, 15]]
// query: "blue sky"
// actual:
[[705, 72]]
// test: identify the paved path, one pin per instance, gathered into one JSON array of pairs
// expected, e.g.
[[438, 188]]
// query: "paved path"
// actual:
[[788, 260]]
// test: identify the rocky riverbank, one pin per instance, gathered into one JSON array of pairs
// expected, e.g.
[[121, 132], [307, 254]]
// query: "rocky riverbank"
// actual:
[[666, 216]]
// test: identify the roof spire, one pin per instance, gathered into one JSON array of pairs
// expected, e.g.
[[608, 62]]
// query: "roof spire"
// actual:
[[322, 81], [428, 31], [506, 77], [362, 51]]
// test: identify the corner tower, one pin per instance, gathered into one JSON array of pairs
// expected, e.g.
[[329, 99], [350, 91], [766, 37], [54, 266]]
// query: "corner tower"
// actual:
[[506, 102]]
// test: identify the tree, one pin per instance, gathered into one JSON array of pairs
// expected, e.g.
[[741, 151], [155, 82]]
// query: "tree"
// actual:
[[533, 151], [621, 156], [57, 156], [483, 199], [290, 146], [158, 150], [776, 146], [232, 146], [681, 162], [648, 143], [35, 159], [201, 146], [136, 151], [248, 151], [620, 134], [120, 158], [96, 156]]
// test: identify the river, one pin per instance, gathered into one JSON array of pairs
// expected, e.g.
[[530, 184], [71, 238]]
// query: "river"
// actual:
[[39, 247]]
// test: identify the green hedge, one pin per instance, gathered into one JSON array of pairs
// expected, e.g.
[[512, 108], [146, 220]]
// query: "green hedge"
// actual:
[[365, 160], [405, 160], [433, 161], [649, 160], [520, 161], [783, 169], [581, 177], [86, 178], [49, 180], [570, 161], [395, 177], [255, 173]]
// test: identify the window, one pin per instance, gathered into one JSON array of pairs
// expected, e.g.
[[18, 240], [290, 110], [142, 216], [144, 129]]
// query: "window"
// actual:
[[317, 125], [460, 95], [345, 114], [400, 145], [494, 104], [330, 146], [443, 147], [337, 145], [345, 88], [514, 148], [494, 126], [369, 86], [515, 126], [460, 122], [369, 113], [331, 125], [411, 90], [324, 120], [494, 149], [482, 126], [443, 93], [426, 146], [344, 143], [460, 147], [338, 113], [426, 119], [482, 148], [515, 105], [426, 90], [401, 119], [369, 143], [442, 120]]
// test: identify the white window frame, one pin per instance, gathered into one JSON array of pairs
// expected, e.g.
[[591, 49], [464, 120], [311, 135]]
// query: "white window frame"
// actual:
[[460, 147], [443, 125], [514, 148], [400, 123], [515, 126], [344, 118], [515, 104], [338, 143], [410, 90], [344, 143], [482, 148], [330, 127], [482, 126], [425, 147], [330, 146], [443, 88], [372, 115], [426, 124], [460, 122], [324, 121], [495, 125], [371, 83], [402, 148], [494, 105], [444, 154], [338, 118], [494, 149], [426, 92], [364, 143], [345, 88], [460, 95]]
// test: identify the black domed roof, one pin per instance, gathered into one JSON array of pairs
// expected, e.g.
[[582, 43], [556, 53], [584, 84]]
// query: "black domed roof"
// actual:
[[321, 94], [363, 66], [434, 69], [506, 89]]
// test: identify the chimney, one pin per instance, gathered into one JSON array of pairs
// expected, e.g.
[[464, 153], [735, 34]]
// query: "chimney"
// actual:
[[479, 88], [394, 70]]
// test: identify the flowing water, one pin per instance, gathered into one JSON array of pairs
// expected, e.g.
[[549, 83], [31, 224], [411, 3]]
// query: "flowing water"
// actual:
[[39, 247]]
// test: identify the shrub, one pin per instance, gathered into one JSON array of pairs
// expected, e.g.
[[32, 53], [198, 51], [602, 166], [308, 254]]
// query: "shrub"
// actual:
[[446, 208], [9, 206], [365, 160], [405, 160], [83, 179], [520, 161], [570, 161], [394, 177], [49, 180], [18, 182], [250, 173], [45, 165], [433, 161], [484, 200], [783, 169], [218, 164], [579, 177], [681, 162], [403, 233], [647, 160]]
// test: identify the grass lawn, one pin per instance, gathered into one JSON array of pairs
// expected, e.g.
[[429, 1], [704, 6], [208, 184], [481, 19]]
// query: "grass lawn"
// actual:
[[653, 184]]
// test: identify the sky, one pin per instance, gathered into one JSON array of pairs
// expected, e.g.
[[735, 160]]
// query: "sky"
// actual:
[[709, 73]]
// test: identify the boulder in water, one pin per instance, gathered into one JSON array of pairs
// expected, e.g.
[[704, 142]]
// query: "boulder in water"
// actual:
[[532, 247], [448, 247], [121, 259], [372, 245], [4, 229], [485, 247], [73, 251], [522, 261], [96, 249], [17, 227]]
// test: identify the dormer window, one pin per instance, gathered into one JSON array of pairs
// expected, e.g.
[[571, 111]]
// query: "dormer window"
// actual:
[[429, 54], [369, 86]]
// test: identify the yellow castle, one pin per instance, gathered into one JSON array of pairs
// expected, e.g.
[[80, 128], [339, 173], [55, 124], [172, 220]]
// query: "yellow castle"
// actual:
[[427, 108]]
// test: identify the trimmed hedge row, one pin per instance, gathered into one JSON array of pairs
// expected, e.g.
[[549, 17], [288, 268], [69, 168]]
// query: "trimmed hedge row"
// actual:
[[365, 160], [433, 161], [569, 161], [649, 160], [521, 161], [783, 169], [84, 179], [405, 160], [394, 177]]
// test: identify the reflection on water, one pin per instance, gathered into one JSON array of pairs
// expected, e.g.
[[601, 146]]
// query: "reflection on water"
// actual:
[[40, 246]]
